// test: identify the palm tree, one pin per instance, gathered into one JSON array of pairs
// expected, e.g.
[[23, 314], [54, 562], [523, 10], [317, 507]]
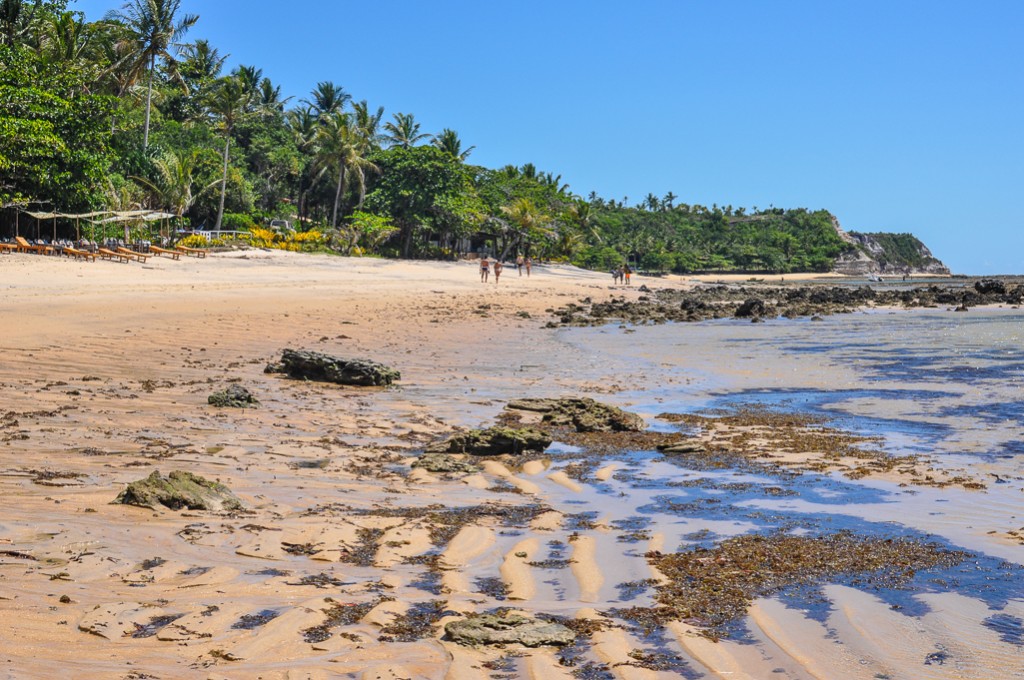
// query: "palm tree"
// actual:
[[228, 103], [302, 124], [340, 149], [327, 99], [669, 199], [153, 28], [175, 183], [529, 220], [368, 125], [449, 142], [404, 131], [66, 38]]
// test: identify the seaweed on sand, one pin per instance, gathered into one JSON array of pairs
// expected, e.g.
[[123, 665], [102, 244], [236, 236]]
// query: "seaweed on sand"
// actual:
[[711, 588], [339, 614]]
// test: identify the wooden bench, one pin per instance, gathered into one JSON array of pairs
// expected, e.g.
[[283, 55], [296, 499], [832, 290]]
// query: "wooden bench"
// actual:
[[111, 255], [194, 252], [7, 247], [132, 254], [173, 254]]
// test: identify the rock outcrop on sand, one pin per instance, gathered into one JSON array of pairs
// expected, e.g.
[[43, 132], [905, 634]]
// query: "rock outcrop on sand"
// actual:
[[767, 302], [234, 396], [494, 441], [444, 463], [320, 367], [178, 490], [580, 413], [492, 629]]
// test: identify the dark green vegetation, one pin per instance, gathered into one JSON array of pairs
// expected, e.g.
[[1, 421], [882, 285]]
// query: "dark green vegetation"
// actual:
[[125, 113]]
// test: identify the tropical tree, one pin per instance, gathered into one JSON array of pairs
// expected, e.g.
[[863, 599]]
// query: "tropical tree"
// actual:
[[368, 124], [449, 142], [404, 131], [327, 99], [17, 18], [175, 187], [228, 102], [153, 28], [340, 149], [66, 37], [531, 225]]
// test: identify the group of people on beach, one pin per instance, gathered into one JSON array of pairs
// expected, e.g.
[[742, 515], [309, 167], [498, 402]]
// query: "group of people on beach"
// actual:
[[486, 264], [622, 273]]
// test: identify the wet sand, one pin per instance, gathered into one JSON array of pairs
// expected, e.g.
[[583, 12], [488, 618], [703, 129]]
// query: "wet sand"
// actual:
[[105, 373]]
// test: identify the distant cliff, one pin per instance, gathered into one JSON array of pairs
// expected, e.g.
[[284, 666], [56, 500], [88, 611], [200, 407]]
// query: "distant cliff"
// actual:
[[883, 253]]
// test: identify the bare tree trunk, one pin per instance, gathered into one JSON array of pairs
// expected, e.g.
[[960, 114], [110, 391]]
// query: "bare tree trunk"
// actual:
[[337, 196], [149, 100]]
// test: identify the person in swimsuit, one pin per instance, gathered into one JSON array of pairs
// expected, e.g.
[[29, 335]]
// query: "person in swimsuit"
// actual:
[[497, 270], [485, 270], [528, 263]]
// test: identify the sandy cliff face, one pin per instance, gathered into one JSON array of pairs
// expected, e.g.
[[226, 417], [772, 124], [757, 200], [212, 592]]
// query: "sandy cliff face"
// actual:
[[881, 253]]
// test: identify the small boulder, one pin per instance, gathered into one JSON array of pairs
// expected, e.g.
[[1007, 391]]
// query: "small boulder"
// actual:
[[990, 286], [751, 308], [179, 490], [682, 447], [491, 629], [444, 463], [494, 441], [325, 368], [581, 413], [235, 396]]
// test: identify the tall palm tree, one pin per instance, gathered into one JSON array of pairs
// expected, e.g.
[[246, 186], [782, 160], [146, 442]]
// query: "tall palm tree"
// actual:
[[368, 124], [327, 98], [669, 199], [153, 27], [302, 124], [340, 149], [228, 102], [404, 131], [449, 142]]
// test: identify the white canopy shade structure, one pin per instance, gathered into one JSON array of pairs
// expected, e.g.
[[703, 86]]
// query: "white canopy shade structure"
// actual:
[[107, 215]]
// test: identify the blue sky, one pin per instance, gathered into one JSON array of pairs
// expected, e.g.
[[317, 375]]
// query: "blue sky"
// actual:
[[896, 116]]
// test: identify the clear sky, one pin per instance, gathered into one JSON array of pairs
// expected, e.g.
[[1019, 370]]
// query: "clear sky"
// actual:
[[904, 116]]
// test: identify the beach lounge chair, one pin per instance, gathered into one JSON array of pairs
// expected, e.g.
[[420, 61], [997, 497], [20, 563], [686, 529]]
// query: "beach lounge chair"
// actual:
[[108, 254], [194, 252], [7, 247], [26, 247], [79, 254], [132, 254], [173, 254]]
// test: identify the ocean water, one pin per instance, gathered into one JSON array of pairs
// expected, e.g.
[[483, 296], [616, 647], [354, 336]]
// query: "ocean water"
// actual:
[[946, 386]]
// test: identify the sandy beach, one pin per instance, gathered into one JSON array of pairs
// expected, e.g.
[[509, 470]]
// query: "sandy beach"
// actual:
[[105, 376]]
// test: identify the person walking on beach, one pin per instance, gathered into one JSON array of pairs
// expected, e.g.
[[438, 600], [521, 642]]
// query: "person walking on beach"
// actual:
[[497, 271], [519, 264], [527, 263], [485, 270], [626, 271]]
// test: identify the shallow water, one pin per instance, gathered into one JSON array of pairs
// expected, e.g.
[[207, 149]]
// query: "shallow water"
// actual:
[[935, 383]]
